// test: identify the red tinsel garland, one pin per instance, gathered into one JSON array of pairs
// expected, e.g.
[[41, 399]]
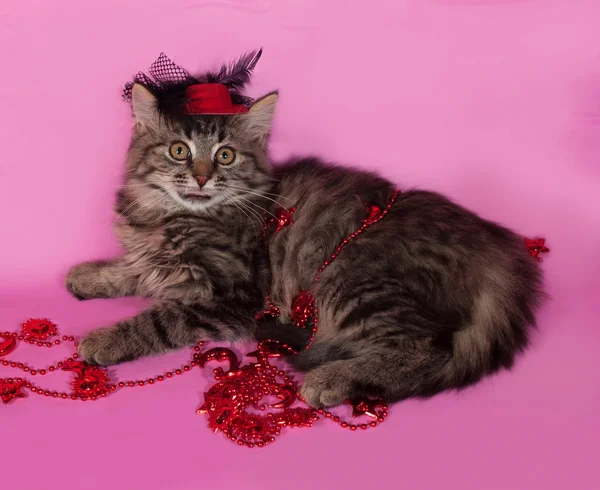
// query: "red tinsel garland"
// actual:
[[226, 403], [234, 404], [536, 247]]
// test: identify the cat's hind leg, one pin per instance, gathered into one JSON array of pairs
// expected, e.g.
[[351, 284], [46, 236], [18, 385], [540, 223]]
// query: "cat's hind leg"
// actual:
[[390, 374]]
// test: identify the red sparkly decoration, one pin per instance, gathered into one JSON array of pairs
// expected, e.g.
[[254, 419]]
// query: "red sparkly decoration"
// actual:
[[373, 213], [272, 312], [365, 406], [11, 389], [8, 345], [38, 329], [287, 394], [303, 308], [227, 402], [536, 247], [234, 404], [282, 218], [90, 382], [297, 417], [78, 367], [219, 354]]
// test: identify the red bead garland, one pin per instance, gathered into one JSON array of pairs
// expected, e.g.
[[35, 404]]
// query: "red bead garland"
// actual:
[[237, 390], [90, 382]]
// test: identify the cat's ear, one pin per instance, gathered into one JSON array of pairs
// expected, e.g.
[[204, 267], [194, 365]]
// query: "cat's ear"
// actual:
[[260, 117], [144, 104]]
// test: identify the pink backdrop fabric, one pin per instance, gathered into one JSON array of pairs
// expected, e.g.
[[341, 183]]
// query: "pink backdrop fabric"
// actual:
[[495, 103]]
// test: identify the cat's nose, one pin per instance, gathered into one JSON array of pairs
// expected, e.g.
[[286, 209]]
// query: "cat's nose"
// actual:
[[202, 179]]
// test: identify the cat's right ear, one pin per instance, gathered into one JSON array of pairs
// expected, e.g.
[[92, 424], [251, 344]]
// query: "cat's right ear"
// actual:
[[145, 111], [260, 116]]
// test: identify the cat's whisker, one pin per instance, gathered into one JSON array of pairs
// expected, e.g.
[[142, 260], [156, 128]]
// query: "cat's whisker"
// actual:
[[136, 201], [248, 208], [251, 210], [257, 206], [261, 193], [231, 201], [240, 210], [145, 205], [251, 191], [134, 184]]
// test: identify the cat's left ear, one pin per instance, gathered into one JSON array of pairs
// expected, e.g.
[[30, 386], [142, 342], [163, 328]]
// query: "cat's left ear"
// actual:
[[145, 111], [260, 117]]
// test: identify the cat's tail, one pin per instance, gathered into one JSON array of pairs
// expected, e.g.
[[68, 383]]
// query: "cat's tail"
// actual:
[[499, 328]]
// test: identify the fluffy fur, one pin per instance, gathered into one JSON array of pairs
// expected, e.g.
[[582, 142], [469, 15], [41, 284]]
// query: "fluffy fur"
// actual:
[[197, 251], [431, 298]]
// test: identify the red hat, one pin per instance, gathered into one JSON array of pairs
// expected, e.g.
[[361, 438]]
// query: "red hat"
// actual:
[[211, 98]]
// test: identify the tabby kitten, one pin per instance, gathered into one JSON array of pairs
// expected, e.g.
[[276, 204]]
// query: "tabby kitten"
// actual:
[[191, 229], [430, 298]]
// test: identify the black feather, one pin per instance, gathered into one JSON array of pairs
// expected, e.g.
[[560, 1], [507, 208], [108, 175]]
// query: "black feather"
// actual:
[[168, 82], [172, 98], [236, 74]]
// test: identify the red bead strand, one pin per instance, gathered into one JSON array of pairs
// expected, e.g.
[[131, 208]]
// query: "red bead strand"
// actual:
[[236, 390]]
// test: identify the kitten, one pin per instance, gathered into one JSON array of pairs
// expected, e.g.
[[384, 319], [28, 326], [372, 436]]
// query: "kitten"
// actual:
[[430, 298], [191, 229]]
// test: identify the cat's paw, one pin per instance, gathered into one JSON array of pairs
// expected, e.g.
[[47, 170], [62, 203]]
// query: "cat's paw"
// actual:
[[326, 386], [81, 280], [101, 347]]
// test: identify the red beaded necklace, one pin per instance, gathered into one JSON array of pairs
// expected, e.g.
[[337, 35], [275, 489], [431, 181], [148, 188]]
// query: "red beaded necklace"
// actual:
[[234, 403], [237, 390], [90, 383]]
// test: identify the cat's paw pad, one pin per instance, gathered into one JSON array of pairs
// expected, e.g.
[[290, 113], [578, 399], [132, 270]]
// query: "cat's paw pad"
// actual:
[[80, 280], [100, 347], [324, 389]]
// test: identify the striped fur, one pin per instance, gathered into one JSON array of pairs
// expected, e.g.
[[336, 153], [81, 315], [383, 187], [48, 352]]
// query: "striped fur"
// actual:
[[430, 298], [203, 261]]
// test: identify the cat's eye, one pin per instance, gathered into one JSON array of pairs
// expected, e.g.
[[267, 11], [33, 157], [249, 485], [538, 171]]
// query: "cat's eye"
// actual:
[[179, 151], [225, 155]]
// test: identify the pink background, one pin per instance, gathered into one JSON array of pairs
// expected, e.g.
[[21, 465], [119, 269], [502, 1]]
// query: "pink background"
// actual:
[[496, 103]]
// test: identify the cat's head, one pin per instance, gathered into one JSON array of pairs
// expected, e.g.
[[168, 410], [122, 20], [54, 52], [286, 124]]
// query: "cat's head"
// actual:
[[196, 163]]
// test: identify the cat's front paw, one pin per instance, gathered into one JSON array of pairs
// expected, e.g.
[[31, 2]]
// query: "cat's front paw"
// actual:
[[324, 387], [82, 280], [101, 347]]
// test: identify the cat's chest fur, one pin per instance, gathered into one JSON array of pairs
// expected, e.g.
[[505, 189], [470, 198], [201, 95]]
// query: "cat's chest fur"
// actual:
[[170, 253], [199, 256], [172, 242]]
